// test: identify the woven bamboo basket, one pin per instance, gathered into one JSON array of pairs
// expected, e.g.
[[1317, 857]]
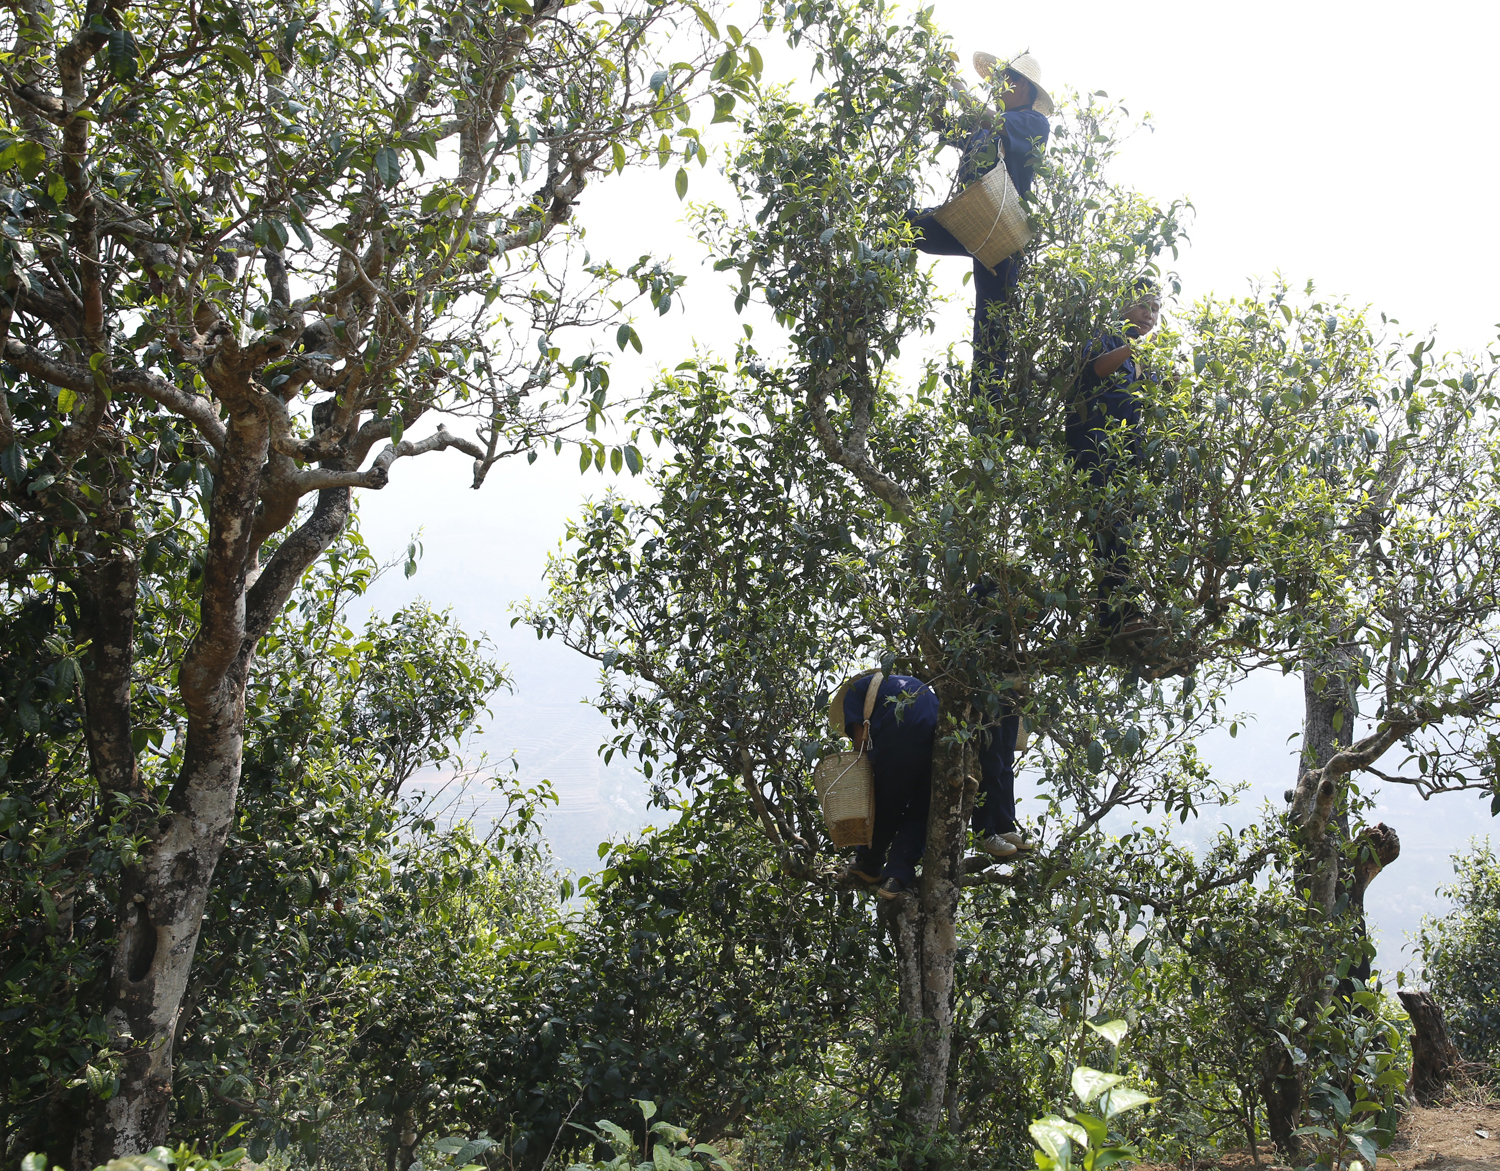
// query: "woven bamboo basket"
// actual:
[[988, 218], [845, 784]]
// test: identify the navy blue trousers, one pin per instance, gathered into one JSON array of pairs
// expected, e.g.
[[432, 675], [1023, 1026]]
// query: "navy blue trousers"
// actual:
[[1113, 533], [903, 799], [903, 796], [991, 291], [995, 804]]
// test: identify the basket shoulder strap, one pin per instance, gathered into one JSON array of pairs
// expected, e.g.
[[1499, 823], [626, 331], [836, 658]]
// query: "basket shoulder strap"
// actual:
[[872, 694]]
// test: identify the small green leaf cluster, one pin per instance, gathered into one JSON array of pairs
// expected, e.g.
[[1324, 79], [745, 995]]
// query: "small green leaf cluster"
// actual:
[[1083, 1138], [459, 1153], [665, 1147], [181, 1158], [1461, 956], [831, 179], [1359, 1065]]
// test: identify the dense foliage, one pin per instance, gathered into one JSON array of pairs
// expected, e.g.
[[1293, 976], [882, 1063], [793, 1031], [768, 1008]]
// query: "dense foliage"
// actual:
[[1461, 956], [1307, 494], [248, 255], [370, 980], [319, 797]]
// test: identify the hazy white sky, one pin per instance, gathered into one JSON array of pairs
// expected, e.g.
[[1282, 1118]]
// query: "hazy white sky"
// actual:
[[1348, 143]]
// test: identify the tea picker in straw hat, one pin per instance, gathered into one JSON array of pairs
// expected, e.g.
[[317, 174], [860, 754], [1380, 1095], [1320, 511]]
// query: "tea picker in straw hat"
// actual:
[[1016, 133], [899, 737]]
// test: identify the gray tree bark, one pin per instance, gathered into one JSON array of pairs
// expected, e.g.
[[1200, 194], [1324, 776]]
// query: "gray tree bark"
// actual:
[[1327, 729], [923, 928], [1321, 827], [1376, 848], [163, 895], [1435, 1059]]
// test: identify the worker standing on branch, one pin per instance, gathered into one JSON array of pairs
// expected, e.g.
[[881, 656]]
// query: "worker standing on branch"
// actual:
[[1016, 134], [899, 740], [1103, 433]]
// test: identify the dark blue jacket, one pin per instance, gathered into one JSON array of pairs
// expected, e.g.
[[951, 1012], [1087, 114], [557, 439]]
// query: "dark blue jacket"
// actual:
[[1021, 134], [1097, 400], [902, 730], [1091, 385]]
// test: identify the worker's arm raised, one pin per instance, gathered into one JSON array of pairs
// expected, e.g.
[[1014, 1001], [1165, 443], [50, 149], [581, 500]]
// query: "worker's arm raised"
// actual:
[[1107, 363]]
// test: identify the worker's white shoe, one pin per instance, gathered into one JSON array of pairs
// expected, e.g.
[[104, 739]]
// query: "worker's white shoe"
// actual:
[[892, 888], [1014, 838], [996, 846]]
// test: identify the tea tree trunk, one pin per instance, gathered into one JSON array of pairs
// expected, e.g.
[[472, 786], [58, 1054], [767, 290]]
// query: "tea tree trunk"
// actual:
[[923, 928], [1321, 828], [163, 893], [1434, 1058]]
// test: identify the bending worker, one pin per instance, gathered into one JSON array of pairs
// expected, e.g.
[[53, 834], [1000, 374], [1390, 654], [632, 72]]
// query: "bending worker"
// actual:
[[899, 740], [1017, 134]]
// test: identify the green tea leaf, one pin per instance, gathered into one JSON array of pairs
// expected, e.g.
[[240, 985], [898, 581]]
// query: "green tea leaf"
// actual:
[[1112, 1031], [1120, 1100], [1088, 1083], [1054, 1135]]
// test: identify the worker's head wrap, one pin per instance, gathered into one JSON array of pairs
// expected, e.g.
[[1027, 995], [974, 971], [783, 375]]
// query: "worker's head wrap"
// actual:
[[1022, 65], [871, 681]]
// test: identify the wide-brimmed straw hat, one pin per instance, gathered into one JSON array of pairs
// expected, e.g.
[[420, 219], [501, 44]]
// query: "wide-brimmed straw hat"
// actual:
[[871, 681], [1023, 64]]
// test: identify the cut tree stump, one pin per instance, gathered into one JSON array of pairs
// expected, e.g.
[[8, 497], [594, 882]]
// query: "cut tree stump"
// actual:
[[1435, 1060]]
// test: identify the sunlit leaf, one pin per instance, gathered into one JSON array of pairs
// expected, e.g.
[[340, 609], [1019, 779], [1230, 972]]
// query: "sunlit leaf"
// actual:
[[1054, 1135], [1121, 1099], [1088, 1083]]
